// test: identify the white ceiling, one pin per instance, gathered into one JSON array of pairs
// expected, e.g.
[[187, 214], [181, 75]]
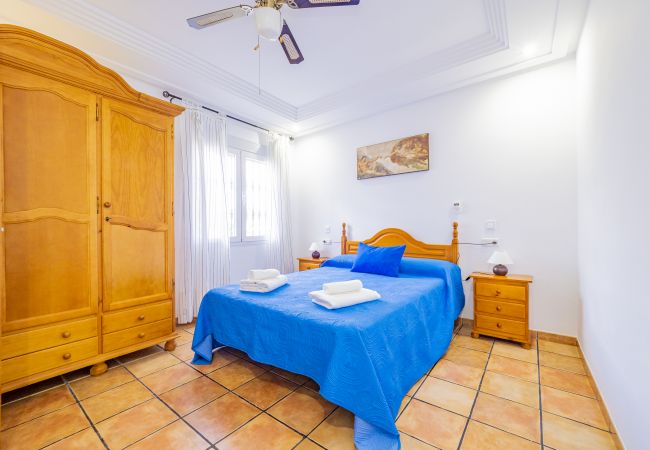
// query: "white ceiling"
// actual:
[[359, 60]]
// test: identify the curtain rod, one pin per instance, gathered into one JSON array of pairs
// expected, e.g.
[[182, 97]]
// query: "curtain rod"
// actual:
[[173, 97]]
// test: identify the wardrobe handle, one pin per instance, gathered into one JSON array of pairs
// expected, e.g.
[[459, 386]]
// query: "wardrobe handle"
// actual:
[[108, 219], [141, 335], [65, 334], [107, 204], [498, 308], [498, 325], [141, 317], [67, 356], [498, 291]]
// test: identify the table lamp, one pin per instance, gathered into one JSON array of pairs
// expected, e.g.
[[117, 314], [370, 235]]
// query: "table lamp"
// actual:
[[500, 258], [313, 248]]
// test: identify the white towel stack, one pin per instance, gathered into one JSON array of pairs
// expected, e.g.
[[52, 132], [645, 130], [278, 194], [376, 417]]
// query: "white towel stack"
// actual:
[[263, 281], [343, 293]]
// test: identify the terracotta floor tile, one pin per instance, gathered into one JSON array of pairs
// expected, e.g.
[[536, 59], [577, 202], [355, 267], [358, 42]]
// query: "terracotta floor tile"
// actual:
[[514, 368], [449, 396], [46, 429], [306, 444], [481, 344], [302, 410], [467, 357], [311, 384], [457, 373], [169, 378], [479, 436], [562, 349], [293, 377], [184, 352], [121, 398], [336, 432], [508, 416], [84, 440], [32, 389], [431, 424], [177, 435], [266, 390], [89, 386], [416, 386], [515, 351], [558, 361], [184, 337], [129, 357], [573, 406], [402, 406], [191, 396], [28, 408], [565, 434], [566, 381], [263, 428], [410, 443], [511, 388], [237, 373], [220, 358], [221, 417], [150, 364], [134, 424]]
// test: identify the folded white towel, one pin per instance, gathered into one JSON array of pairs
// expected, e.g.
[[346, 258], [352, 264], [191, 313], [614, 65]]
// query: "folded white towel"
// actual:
[[263, 274], [341, 287], [263, 286], [342, 300]]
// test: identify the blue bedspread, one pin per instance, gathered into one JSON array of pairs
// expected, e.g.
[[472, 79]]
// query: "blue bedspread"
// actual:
[[365, 357]]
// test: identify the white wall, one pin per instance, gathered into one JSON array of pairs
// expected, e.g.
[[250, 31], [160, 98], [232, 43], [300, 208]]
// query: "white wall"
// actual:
[[505, 148], [614, 209]]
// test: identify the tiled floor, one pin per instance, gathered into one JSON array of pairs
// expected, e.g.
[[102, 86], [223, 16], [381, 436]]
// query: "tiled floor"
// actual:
[[484, 394]]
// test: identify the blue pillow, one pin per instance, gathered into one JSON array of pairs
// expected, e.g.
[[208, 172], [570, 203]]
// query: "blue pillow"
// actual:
[[379, 260]]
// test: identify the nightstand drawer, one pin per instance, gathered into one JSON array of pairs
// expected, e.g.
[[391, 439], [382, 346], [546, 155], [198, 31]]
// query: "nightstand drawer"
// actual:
[[501, 325], [515, 310], [308, 266], [501, 291]]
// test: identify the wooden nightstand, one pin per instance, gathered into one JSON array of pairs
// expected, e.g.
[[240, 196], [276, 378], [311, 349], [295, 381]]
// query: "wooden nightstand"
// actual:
[[310, 263], [501, 307]]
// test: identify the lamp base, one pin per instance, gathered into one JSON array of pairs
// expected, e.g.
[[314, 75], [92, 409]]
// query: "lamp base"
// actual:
[[500, 270], [315, 254]]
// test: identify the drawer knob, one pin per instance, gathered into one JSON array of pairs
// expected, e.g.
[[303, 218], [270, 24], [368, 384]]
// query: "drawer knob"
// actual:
[[141, 317], [65, 334], [141, 335], [498, 292], [67, 356], [498, 308], [498, 325]]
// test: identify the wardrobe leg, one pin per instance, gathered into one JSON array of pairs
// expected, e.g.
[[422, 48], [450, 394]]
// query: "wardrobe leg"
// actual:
[[170, 345], [98, 369]]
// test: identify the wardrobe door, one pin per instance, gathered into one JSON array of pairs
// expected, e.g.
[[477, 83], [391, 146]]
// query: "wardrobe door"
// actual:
[[137, 240], [48, 202]]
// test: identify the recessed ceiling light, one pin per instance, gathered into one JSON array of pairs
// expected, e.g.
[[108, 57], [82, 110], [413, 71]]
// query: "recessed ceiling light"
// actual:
[[529, 50]]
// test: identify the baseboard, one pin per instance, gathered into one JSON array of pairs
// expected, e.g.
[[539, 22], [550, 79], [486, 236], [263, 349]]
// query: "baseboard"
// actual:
[[601, 401]]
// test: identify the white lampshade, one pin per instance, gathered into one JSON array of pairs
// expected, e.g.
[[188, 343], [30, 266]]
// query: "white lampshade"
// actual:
[[313, 247], [500, 257], [269, 22]]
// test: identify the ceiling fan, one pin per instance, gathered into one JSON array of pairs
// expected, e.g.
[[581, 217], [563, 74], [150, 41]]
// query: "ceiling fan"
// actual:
[[268, 19]]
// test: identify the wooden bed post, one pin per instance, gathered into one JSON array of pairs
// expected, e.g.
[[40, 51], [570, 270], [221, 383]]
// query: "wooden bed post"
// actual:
[[344, 240], [454, 245]]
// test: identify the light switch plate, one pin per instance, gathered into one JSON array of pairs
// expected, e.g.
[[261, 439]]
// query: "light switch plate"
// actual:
[[491, 224]]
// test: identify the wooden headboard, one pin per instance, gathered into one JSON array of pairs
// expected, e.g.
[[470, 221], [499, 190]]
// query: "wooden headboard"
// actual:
[[414, 248]]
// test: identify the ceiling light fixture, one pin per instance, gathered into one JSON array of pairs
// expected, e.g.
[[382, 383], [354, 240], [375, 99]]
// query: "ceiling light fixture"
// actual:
[[269, 22]]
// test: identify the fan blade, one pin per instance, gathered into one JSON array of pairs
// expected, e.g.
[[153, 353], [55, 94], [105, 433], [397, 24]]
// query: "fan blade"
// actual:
[[290, 46], [298, 4], [213, 18]]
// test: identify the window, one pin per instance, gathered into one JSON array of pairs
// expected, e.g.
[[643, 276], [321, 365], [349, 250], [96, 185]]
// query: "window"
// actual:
[[247, 186]]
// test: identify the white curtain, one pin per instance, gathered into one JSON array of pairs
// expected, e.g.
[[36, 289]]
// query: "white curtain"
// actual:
[[201, 210], [280, 254]]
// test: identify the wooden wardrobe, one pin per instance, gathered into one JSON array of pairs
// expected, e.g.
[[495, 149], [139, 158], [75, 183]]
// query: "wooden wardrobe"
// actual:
[[86, 241]]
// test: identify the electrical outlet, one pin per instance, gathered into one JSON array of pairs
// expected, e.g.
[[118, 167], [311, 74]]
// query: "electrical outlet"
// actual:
[[491, 225], [490, 240]]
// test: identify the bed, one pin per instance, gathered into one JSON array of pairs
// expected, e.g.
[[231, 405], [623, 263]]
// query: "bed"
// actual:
[[365, 357]]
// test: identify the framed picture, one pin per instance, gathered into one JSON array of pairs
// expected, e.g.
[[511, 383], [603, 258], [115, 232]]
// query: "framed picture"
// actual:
[[406, 155]]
